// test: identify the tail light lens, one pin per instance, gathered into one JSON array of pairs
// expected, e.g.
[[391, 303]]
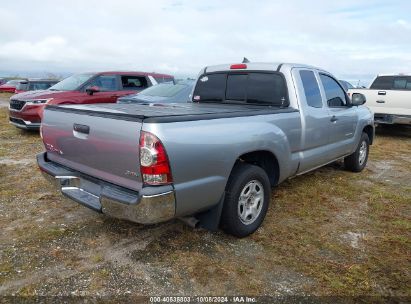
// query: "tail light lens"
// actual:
[[238, 66], [154, 164]]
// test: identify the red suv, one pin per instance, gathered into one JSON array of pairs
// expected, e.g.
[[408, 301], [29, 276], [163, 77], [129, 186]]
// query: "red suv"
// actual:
[[25, 109]]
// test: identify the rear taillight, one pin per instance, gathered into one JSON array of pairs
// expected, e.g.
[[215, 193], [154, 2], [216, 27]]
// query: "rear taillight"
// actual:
[[154, 164]]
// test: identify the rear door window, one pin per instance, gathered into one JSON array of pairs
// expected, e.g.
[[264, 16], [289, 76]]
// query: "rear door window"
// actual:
[[105, 83], [400, 83], [382, 83], [134, 82], [311, 89], [333, 91], [408, 86]]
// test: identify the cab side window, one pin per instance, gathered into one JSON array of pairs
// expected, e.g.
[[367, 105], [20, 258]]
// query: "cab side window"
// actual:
[[382, 83], [134, 82], [106, 83], [311, 89], [402, 83], [408, 86], [333, 91]]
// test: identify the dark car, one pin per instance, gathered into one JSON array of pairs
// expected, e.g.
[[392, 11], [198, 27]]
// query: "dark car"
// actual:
[[26, 109], [35, 85], [162, 93], [346, 85]]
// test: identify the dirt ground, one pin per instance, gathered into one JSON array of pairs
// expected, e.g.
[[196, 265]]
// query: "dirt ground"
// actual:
[[329, 232]]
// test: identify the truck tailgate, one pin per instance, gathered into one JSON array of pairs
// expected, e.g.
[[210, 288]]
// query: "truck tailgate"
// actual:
[[102, 146]]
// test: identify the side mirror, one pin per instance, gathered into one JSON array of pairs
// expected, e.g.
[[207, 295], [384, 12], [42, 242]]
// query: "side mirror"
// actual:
[[358, 99], [91, 90]]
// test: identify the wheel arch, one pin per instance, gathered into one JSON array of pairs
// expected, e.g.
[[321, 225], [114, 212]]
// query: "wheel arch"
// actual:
[[265, 160]]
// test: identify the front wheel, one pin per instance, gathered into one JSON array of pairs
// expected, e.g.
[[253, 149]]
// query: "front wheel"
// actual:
[[247, 199], [357, 161]]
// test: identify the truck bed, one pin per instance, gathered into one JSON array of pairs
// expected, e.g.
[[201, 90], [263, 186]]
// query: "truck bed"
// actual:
[[102, 140], [163, 113]]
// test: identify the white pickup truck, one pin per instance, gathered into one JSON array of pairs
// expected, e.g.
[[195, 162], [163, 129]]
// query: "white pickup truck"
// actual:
[[389, 98]]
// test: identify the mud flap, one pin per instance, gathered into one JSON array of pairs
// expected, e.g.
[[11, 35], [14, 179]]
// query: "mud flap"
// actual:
[[210, 219]]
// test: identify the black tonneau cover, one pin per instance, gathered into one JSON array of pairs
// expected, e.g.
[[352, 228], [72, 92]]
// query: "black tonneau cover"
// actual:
[[161, 113]]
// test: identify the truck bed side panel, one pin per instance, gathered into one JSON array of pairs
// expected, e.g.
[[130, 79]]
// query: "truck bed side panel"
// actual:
[[202, 153]]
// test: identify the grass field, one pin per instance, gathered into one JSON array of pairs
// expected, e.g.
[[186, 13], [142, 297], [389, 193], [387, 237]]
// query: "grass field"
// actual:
[[329, 232]]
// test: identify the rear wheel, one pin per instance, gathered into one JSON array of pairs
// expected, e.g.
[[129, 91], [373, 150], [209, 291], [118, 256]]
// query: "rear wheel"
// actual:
[[357, 161], [247, 199]]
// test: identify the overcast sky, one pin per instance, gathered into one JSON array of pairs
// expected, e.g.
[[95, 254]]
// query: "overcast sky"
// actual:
[[352, 39]]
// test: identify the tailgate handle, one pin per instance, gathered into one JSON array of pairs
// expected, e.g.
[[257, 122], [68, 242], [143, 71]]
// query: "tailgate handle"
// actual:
[[81, 128], [382, 93]]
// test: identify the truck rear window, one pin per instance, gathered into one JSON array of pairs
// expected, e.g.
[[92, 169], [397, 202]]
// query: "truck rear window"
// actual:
[[253, 87]]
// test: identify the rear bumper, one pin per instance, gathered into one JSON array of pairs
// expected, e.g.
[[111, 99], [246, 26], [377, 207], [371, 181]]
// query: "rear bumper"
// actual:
[[392, 119], [150, 205]]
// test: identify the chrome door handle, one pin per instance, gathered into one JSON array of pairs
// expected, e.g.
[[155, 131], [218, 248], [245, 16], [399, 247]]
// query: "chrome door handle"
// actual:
[[382, 93]]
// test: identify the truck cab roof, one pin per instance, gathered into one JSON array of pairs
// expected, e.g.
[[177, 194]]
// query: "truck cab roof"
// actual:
[[256, 66]]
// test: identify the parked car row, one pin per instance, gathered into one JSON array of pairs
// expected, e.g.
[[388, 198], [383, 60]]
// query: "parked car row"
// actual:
[[23, 85], [211, 161], [86, 88]]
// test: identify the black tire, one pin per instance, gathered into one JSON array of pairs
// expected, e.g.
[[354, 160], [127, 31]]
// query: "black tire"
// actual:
[[355, 162], [245, 175]]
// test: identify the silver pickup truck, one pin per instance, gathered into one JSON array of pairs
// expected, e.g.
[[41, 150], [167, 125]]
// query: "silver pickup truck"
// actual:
[[211, 162]]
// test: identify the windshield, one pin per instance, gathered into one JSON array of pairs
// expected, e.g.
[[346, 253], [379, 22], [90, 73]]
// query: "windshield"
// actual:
[[163, 90], [71, 83]]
